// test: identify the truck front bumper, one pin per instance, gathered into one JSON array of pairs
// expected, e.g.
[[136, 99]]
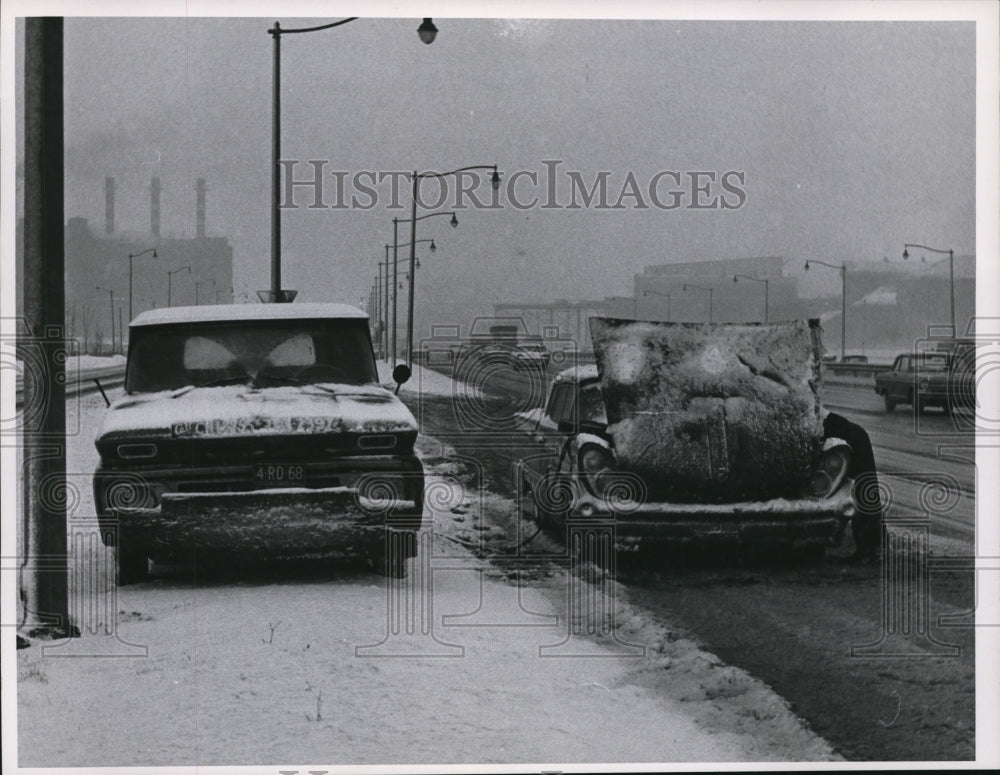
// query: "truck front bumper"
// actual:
[[275, 522]]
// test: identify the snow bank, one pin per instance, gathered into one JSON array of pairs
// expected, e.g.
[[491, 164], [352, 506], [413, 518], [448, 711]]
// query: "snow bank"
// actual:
[[427, 382]]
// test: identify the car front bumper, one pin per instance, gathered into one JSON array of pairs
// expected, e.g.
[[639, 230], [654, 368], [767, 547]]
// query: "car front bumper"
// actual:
[[796, 522]]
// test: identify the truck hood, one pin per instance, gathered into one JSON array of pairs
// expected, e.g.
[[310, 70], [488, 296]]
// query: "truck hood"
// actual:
[[720, 412], [238, 410]]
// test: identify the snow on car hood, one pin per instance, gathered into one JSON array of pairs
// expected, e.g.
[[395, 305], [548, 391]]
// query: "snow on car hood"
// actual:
[[238, 410], [720, 412]]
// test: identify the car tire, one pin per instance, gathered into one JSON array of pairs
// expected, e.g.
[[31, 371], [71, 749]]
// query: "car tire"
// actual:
[[132, 563], [890, 403], [529, 506]]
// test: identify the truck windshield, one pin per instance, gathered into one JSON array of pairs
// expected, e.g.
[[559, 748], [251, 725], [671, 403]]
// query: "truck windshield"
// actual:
[[265, 352]]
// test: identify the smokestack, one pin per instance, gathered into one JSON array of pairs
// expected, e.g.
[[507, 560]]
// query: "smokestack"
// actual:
[[154, 213], [109, 205], [199, 188]]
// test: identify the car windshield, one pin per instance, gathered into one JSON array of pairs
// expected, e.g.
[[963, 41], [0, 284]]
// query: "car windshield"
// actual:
[[265, 352], [933, 363], [592, 405]]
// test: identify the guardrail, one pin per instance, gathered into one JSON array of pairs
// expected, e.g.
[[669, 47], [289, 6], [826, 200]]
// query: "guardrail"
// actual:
[[82, 383], [854, 369]]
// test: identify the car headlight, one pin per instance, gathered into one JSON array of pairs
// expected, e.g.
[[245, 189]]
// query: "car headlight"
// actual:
[[830, 470], [595, 463]]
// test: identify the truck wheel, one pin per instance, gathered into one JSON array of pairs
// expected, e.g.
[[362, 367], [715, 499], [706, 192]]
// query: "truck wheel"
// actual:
[[890, 403], [389, 558], [133, 563]]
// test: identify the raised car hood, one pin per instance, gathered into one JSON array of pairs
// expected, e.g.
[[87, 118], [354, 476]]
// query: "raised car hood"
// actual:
[[238, 410], [712, 413]]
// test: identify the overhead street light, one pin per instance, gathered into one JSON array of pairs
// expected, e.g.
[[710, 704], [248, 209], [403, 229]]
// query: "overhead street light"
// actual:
[[703, 288], [843, 303], [417, 177], [170, 277], [756, 280], [426, 31], [131, 257], [951, 273]]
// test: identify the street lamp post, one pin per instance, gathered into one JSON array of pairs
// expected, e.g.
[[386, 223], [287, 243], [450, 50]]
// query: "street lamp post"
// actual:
[[427, 32], [385, 306], [170, 277], [664, 295], [951, 273], [703, 288], [417, 176], [276, 294], [131, 257], [198, 285], [843, 303], [111, 298], [395, 273], [756, 280]]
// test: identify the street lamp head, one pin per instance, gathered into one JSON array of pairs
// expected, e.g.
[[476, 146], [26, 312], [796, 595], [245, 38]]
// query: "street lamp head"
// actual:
[[433, 246], [495, 179], [427, 31], [453, 221], [807, 266], [154, 253], [736, 279], [906, 253]]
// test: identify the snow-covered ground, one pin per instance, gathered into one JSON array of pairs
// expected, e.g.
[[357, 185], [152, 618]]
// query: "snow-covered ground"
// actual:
[[265, 671], [426, 382]]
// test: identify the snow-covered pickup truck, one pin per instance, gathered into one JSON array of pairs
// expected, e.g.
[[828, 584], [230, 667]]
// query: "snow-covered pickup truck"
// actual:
[[685, 433], [939, 377], [261, 429]]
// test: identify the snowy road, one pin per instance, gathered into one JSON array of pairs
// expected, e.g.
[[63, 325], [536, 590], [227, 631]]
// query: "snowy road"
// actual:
[[306, 663]]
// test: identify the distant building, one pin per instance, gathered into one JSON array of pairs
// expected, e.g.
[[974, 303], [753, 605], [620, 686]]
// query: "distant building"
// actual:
[[101, 260], [889, 305]]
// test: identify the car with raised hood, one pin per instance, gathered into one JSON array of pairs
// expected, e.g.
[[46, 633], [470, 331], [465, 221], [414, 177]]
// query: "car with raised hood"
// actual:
[[686, 433], [257, 429]]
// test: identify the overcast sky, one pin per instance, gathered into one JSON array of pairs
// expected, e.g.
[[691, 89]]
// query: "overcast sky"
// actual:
[[849, 139]]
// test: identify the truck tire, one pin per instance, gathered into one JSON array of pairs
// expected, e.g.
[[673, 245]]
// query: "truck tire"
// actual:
[[890, 403], [132, 562], [388, 558]]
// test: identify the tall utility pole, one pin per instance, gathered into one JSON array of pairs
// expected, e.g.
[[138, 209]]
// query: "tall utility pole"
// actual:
[[43, 573]]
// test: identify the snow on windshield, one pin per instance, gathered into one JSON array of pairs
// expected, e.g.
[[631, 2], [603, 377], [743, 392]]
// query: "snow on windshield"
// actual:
[[265, 351]]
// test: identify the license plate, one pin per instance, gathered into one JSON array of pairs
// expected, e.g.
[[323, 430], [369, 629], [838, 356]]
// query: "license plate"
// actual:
[[279, 475]]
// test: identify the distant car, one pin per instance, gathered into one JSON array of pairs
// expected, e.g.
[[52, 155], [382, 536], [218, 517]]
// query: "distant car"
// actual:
[[941, 377], [854, 359], [576, 475], [257, 429]]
